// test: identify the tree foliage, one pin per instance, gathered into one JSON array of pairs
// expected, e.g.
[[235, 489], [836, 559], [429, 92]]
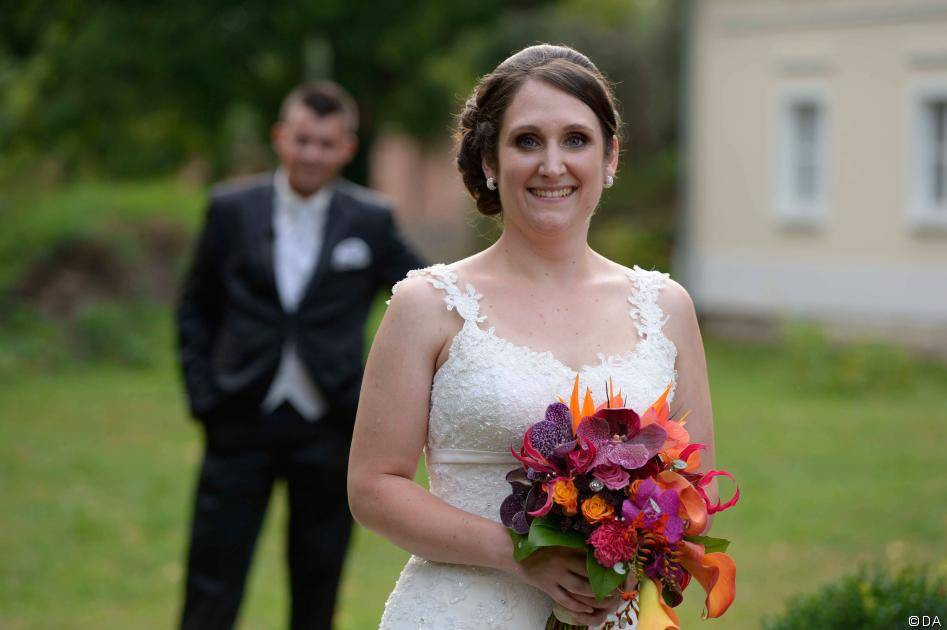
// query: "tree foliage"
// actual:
[[137, 87], [134, 86]]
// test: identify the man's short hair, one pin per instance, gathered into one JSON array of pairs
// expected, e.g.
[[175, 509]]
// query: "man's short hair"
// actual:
[[323, 98]]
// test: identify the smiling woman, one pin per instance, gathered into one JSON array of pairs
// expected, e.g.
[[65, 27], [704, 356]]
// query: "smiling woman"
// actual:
[[538, 143], [555, 161], [555, 68]]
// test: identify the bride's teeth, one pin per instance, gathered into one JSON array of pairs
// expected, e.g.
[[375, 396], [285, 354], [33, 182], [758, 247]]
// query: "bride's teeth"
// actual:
[[561, 192]]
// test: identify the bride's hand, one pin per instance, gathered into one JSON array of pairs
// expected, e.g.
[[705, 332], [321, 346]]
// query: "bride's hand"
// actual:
[[561, 574]]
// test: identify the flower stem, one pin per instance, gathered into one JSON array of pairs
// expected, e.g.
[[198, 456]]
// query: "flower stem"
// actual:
[[554, 624]]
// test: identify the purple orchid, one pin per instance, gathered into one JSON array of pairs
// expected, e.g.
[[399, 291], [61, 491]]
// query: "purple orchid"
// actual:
[[553, 435], [548, 442], [649, 505], [525, 498], [618, 438]]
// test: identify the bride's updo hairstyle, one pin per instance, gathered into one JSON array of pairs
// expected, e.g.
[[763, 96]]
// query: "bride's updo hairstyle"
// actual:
[[479, 126]]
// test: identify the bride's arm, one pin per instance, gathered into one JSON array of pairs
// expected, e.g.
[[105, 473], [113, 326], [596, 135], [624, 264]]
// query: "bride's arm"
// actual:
[[390, 432], [692, 391]]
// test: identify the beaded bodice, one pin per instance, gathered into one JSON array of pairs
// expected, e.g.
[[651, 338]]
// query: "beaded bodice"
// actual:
[[489, 391]]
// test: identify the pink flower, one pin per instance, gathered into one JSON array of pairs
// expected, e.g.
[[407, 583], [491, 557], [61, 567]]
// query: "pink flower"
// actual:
[[614, 542], [612, 475]]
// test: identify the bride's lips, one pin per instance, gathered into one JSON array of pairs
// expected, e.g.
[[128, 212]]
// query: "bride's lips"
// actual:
[[552, 193]]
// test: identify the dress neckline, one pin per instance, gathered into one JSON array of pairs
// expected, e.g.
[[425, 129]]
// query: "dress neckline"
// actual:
[[627, 355], [470, 312], [549, 354], [645, 314]]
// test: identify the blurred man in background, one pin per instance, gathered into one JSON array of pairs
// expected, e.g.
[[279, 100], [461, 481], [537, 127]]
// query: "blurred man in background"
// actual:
[[270, 326]]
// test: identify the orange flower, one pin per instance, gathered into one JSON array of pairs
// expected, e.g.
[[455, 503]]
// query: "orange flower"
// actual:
[[659, 413], [596, 509], [586, 410], [716, 572], [693, 508], [565, 493], [633, 487]]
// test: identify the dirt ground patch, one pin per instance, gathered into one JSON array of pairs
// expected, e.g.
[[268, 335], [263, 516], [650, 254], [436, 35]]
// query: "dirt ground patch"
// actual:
[[129, 261]]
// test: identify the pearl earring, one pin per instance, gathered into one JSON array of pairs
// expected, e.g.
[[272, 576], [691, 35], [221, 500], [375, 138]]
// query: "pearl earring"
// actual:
[[609, 181], [491, 183]]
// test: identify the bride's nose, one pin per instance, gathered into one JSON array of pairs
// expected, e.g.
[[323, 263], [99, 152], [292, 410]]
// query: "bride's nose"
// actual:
[[552, 164]]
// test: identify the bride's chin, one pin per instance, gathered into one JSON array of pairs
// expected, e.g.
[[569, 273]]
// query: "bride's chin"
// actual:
[[554, 224], [543, 219]]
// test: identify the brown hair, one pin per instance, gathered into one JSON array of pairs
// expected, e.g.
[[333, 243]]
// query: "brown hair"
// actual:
[[324, 98], [479, 121]]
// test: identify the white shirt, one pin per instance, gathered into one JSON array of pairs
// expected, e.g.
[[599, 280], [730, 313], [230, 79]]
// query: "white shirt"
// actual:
[[298, 227]]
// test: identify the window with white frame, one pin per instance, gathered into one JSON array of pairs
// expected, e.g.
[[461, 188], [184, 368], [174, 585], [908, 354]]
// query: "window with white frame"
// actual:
[[928, 167], [801, 181]]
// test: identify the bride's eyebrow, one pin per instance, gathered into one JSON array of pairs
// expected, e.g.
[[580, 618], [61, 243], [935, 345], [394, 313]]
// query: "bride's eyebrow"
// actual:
[[515, 131], [521, 129]]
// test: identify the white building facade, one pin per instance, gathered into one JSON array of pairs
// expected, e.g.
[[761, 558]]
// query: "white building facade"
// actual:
[[816, 185]]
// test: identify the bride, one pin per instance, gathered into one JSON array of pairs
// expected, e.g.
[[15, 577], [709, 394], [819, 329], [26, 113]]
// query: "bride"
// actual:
[[470, 354]]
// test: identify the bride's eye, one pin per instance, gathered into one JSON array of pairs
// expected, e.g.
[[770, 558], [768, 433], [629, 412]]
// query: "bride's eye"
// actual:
[[526, 141], [576, 140]]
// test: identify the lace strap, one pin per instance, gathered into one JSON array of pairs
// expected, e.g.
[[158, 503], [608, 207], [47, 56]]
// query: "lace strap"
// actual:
[[645, 312], [443, 277]]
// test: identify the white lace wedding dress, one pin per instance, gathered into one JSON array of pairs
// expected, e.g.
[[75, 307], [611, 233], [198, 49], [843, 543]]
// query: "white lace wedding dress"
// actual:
[[483, 398]]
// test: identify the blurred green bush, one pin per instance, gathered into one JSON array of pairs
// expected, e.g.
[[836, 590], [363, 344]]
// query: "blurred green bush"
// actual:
[[117, 332], [131, 334], [871, 599]]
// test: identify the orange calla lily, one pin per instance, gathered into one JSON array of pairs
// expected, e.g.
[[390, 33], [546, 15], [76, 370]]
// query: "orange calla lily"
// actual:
[[716, 572], [653, 613], [691, 502]]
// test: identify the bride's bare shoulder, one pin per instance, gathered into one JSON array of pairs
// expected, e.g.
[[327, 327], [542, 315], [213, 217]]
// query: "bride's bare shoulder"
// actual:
[[682, 326], [417, 307], [421, 292], [429, 285], [673, 299]]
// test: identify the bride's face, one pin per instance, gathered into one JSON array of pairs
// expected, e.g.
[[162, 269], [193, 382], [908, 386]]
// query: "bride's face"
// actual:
[[551, 163]]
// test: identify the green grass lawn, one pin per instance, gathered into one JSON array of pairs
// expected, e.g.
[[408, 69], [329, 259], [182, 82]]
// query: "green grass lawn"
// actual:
[[97, 468]]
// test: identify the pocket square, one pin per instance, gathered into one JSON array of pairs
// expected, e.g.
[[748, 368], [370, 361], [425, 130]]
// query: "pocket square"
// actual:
[[351, 253]]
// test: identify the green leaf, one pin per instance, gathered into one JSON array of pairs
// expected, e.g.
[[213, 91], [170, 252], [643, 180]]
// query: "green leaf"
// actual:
[[710, 543], [604, 580], [522, 548], [543, 533], [546, 533]]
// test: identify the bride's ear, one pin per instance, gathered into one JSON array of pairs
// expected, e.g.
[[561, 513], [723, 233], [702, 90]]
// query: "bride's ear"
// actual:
[[611, 166]]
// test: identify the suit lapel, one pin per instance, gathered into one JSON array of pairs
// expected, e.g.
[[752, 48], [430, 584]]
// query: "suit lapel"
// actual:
[[261, 211], [338, 218]]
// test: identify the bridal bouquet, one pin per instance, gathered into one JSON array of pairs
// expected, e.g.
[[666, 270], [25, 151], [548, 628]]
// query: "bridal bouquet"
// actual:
[[626, 490]]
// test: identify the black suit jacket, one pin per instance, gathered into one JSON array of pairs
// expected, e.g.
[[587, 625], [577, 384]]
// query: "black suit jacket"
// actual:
[[231, 324]]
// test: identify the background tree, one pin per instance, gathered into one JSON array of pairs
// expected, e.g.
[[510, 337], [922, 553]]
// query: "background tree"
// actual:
[[137, 87]]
